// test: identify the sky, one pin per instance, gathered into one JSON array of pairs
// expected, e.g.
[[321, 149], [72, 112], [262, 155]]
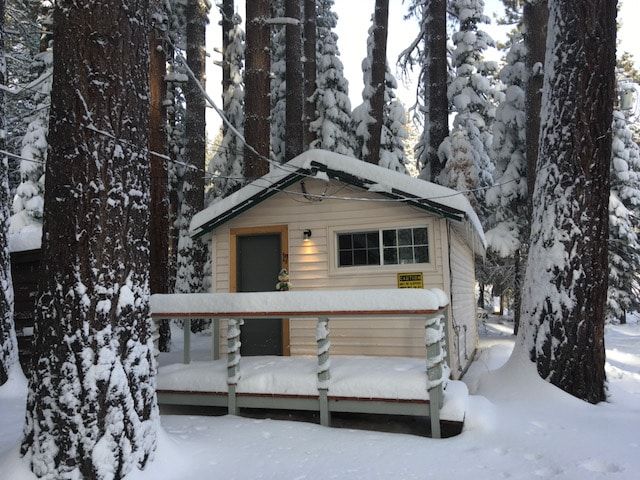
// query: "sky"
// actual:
[[353, 23]]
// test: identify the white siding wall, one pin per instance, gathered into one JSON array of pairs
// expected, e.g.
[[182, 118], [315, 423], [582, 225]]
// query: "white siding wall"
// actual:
[[463, 342], [312, 265]]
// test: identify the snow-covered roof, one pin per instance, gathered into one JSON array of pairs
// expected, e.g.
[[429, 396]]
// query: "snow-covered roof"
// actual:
[[322, 164]]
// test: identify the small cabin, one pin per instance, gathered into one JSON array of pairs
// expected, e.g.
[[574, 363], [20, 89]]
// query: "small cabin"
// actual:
[[338, 223]]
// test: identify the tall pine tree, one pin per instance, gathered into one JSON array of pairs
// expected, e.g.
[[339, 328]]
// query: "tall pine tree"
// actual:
[[8, 343], [393, 132], [332, 127], [228, 160], [624, 211], [565, 288], [466, 152], [91, 406]]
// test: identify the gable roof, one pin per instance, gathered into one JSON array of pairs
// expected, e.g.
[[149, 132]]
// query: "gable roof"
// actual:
[[324, 165]]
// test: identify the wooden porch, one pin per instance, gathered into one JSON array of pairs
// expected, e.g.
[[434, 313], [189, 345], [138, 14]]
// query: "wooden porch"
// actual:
[[374, 385]]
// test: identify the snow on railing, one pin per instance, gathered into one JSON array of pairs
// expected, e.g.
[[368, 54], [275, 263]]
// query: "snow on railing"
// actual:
[[323, 305]]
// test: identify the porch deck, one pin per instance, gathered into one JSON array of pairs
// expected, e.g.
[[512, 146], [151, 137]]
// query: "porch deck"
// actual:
[[375, 385], [383, 385]]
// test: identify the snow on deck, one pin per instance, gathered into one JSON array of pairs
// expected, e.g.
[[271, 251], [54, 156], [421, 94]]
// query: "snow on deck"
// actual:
[[327, 301], [389, 378]]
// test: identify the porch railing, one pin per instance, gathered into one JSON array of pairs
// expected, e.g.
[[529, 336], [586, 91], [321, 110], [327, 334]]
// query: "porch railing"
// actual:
[[322, 305]]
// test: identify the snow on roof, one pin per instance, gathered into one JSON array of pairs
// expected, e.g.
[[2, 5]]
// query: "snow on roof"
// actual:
[[376, 178], [326, 301]]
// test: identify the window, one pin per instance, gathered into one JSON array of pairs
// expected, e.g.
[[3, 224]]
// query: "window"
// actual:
[[360, 248], [399, 246]]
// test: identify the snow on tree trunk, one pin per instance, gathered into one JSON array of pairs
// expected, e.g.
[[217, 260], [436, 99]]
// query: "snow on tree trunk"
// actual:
[[294, 82], [332, 126], [309, 70], [8, 343], [229, 158], [91, 406], [565, 288], [257, 87]]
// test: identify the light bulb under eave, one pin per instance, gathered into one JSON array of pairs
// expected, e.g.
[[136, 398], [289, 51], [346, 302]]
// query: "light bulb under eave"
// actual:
[[306, 235]]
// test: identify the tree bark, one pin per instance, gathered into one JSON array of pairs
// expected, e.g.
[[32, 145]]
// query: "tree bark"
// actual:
[[564, 298], [310, 35], [159, 227], [436, 121], [535, 17], [517, 290], [196, 14], [227, 25], [8, 344], [257, 88], [294, 100], [378, 70], [92, 387]]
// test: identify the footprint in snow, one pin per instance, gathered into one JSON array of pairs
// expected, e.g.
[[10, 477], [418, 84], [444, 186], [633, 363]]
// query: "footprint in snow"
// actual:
[[548, 471], [501, 450], [532, 456], [600, 466]]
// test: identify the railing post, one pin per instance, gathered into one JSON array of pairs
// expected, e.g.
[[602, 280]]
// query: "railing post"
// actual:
[[433, 342], [215, 339], [186, 332], [324, 364], [233, 362]]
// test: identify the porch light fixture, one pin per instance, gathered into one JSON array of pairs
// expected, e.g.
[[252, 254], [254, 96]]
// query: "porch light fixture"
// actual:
[[306, 235]]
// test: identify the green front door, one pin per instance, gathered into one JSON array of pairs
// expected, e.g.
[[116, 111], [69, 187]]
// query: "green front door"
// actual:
[[258, 265]]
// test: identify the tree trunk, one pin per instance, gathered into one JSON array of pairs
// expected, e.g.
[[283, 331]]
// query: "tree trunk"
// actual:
[[378, 70], [517, 291], [227, 12], [91, 406], [535, 18], [310, 35], [192, 254], [159, 227], [564, 299], [436, 121], [257, 89], [8, 344], [295, 88], [481, 302]]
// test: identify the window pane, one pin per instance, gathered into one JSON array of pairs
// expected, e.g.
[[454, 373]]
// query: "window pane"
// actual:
[[406, 255], [344, 241], [359, 240], [390, 256], [373, 240], [359, 257], [389, 238], [373, 257], [404, 236], [421, 254], [419, 236], [346, 259]]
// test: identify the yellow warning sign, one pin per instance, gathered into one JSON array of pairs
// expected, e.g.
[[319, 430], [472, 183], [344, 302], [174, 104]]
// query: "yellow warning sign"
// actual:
[[410, 280]]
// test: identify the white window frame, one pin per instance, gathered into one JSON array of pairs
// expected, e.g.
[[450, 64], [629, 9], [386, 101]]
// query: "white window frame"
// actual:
[[333, 233]]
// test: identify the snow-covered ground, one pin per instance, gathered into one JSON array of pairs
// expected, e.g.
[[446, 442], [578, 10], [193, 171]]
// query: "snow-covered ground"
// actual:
[[517, 427]]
